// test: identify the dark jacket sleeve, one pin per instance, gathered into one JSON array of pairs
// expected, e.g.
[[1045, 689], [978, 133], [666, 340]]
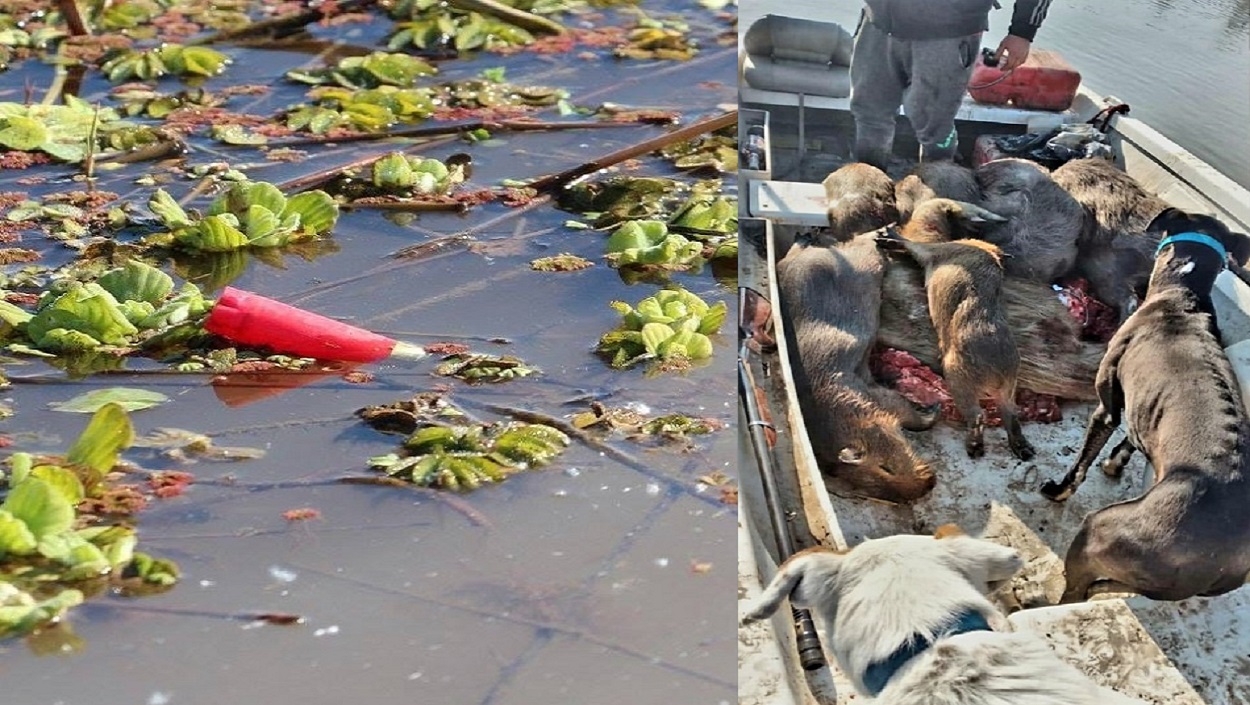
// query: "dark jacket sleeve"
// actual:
[[1027, 17]]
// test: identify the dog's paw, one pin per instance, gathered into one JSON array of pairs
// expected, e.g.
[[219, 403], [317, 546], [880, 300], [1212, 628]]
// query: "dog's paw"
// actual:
[[1056, 491]]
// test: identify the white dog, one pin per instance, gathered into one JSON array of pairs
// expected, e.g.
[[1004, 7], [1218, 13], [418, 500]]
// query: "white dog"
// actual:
[[909, 623]]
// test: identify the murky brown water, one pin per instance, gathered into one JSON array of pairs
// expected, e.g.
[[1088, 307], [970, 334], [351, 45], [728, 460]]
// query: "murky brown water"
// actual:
[[579, 588]]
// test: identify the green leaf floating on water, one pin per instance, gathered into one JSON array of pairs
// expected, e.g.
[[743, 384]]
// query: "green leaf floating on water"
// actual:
[[22, 133], [99, 446], [175, 59], [137, 281], [672, 325], [21, 613], [484, 368], [88, 310], [125, 397], [417, 176], [42, 550], [250, 214], [377, 69], [648, 242], [40, 506], [457, 455]]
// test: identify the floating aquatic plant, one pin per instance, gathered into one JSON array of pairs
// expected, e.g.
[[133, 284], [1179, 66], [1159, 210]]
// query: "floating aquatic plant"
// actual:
[[250, 214], [717, 151], [371, 71], [563, 262], [672, 325], [48, 550], [457, 32], [466, 457], [639, 427], [444, 450], [61, 131], [417, 176], [704, 214], [649, 243], [657, 39], [167, 59], [127, 307], [484, 368]]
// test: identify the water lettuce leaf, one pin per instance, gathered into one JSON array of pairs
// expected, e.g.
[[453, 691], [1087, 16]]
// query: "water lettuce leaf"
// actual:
[[127, 398], [107, 434]]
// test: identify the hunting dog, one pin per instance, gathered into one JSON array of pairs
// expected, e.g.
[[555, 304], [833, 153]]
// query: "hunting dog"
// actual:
[[1166, 376], [909, 623]]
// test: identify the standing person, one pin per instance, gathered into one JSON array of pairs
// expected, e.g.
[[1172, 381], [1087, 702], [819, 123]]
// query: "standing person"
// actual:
[[925, 49]]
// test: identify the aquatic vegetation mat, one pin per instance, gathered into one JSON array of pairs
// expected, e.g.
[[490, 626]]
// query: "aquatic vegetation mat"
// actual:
[[671, 328], [446, 451], [51, 553]]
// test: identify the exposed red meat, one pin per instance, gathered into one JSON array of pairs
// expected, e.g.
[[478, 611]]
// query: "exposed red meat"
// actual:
[[901, 371], [1098, 320]]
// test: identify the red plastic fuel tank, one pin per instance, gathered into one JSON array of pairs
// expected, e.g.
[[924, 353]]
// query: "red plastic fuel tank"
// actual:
[[1044, 82]]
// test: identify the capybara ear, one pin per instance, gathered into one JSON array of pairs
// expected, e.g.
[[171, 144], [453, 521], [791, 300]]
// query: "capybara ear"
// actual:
[[946, 531], [852, 455]]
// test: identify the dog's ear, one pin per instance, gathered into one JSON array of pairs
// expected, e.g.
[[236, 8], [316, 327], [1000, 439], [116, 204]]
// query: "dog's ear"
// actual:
[[947, 531], [1238, 247], [982, 561]]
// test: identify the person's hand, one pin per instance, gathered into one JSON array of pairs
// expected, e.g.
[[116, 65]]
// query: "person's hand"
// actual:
[[1016, 49]]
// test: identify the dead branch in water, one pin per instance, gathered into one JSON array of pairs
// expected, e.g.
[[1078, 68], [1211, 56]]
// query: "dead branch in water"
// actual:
[[557, 181], [279, 26], [73, 18]]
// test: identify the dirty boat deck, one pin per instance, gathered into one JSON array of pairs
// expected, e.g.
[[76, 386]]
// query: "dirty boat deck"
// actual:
[[1184, 653]]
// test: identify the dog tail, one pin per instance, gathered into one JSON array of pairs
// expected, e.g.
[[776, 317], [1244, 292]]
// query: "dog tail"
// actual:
[[783, 584]]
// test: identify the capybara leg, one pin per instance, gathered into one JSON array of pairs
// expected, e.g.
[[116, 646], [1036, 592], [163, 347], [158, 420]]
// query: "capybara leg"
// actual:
[[965, 395], [909, 416], [1019, 445], [1113, 466], [1096, 436]]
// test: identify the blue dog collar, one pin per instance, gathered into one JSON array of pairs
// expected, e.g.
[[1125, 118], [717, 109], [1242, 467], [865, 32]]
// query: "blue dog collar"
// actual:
[[878, 674], [1194, 237]]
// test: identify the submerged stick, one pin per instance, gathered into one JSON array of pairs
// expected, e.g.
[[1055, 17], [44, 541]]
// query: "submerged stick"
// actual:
[[317, 178], [556, 181], [73, 18], [453, 129], [520, 18], [279, 618]]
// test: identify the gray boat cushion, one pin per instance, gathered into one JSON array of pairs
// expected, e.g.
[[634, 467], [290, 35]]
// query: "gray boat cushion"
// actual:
[[797, 56]]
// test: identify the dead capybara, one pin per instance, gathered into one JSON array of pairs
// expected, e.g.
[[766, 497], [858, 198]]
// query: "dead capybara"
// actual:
[[1043, 223], [860, 198], [830, 297], [963, 281], [1053, 358], [940, 179], [944, 220], [1120, 231]]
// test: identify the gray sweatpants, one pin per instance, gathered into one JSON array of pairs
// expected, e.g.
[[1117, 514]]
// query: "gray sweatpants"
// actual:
[[927, 76]]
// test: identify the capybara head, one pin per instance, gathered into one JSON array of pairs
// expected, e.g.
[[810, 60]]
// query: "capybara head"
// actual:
[[944, 219], [861, 199], [872, 455]]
